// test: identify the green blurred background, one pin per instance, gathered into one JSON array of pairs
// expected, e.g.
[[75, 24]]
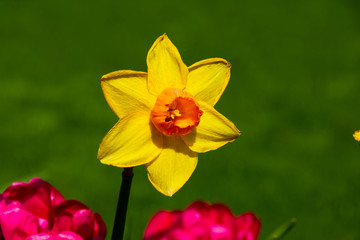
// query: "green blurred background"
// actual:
[[294, 93]]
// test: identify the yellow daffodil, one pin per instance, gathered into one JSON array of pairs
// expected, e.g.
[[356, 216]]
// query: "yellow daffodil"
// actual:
[[166, 115], [356, 135]]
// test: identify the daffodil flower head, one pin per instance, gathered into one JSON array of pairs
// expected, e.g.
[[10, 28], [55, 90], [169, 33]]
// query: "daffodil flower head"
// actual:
[[356, 135], [167, 115]]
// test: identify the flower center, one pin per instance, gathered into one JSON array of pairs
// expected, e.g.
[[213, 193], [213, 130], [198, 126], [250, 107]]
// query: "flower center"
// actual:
[[176, 112]]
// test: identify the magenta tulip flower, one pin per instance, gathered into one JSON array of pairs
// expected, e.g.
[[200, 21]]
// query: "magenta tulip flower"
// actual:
[[202, 221], [37, 211]]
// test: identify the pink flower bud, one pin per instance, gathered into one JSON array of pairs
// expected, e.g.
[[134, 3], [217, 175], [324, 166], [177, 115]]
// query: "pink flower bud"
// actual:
[[37, 197], [37, 211], [202, 221]]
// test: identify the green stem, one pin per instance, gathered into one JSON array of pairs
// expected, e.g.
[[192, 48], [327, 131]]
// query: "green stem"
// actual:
[[120, 217]]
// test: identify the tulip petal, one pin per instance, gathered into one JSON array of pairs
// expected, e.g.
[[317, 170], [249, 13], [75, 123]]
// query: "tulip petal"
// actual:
[[165, 67], [17, 224], [218, 232], [213, 214], [173, 167], [248, 226], [40, 236], [126, 91], [37, 197], [76, 217], [179, 234], [190, 218], [83, 223], [67, 235], [99, 228], [214, 131], [132, 141], [160, 224], [208, 79], [64, 215]]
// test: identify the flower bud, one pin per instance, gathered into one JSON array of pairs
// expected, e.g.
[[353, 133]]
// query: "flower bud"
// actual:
[[202, 221], [37, 211]]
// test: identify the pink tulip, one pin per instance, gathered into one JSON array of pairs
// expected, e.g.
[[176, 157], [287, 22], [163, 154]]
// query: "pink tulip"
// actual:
[[37, 211], [202, 221]]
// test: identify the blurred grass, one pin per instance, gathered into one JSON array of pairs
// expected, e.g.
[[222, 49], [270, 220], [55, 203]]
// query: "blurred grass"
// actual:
[[294, 93]]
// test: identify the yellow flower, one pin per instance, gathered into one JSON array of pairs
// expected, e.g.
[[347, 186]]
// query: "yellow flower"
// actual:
[[356, 135], [166, 115]]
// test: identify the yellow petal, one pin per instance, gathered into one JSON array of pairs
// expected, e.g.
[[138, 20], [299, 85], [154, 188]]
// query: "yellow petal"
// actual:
[[214, 131], [132, 141], [165, 67], [174, 166], [207, 79], [126, 91]]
